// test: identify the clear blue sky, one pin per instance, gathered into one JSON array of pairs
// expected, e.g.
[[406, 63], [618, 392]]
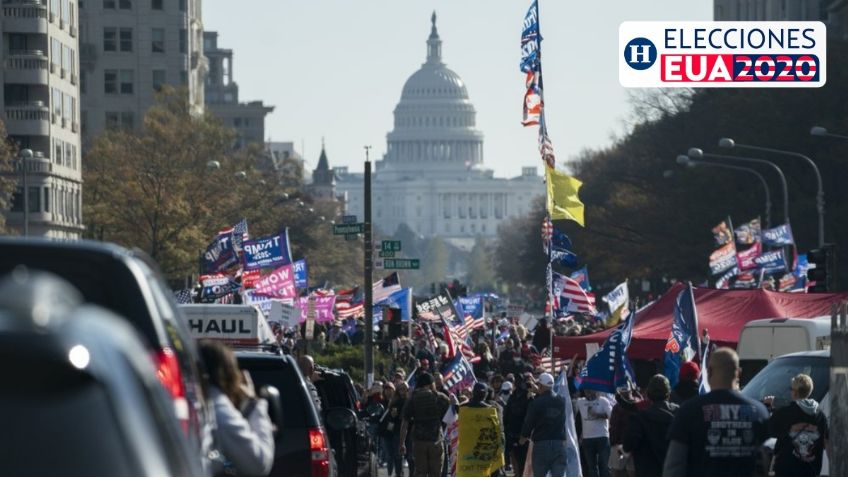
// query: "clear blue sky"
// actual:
[[335, 68]]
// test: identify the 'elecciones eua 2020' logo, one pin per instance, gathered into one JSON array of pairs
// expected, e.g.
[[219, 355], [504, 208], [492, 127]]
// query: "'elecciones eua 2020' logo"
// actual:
[[722, 54]]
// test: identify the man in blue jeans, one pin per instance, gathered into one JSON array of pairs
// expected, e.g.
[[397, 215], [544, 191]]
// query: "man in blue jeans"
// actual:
[[545, 422], [595, 411]]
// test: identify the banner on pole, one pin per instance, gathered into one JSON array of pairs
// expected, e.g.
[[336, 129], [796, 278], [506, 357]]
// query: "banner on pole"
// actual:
[[480, 452], [267, 252]]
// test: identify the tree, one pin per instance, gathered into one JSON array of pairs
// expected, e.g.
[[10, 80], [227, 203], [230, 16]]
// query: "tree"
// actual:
[[481, 275], [8, 181], [168, 188], [435, 262]]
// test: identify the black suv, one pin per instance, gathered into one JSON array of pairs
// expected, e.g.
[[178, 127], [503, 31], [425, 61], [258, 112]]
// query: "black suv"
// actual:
[[301, 447], [129, 284], [353, 448]]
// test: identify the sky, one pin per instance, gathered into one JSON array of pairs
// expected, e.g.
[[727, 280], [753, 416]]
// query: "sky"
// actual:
[[334, 69]]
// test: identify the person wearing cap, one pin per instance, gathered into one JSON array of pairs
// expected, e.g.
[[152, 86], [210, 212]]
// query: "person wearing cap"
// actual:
[[645, 437], [504, 392], [595, 410], [545, 424], [687, 383], [424, 410], [515, 412]]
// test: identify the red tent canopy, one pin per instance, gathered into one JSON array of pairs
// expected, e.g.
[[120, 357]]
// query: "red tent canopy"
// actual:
[[722, 312]]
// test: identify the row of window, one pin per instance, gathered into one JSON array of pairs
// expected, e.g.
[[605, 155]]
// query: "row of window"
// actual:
[[62, 56], [63, 203], [120, 120], [64, 10], [435, 122], [64, 106], [128, 4], [65, 153], [120, 39], [122, 81]]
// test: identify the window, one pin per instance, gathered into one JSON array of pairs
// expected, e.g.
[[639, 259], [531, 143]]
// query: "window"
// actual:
[[54, 8], [126, 39], [68, 109], [58, 150], [67, 60], [125, 4], [158, 40], [158, 79], [66, 12], [69, 156], [57, 103], [34, 199], [47, 199], [183, 77], [109, 4], [55, 52], [156, 5], [112, 119], [110, 81], [71, 15], [110, 39], [126, 80], [127, 120], [183, 41], [123, 119]]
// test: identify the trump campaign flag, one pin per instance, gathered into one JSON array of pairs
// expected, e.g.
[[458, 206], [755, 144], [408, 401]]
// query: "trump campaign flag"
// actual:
[[724, 258], [267, 252], [220, 254], [277, 284], [301, 274], [399, 300], [749, 233], [746, 258], [683, 341], [723, 232], [472, 305], [609, 368], [780, 235]]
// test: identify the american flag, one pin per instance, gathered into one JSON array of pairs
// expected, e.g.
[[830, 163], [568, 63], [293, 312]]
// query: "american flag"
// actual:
[[455, 341], [546, 147], [385, 287], [547, 232], [451, 420], [578, 299], [431, 338], [349, 310], [469, 325], [240, 233], [532, 99], [183, 296]]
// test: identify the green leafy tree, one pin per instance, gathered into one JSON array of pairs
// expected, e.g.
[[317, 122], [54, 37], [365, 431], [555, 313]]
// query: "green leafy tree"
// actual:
[[481, 273], [8, 179]]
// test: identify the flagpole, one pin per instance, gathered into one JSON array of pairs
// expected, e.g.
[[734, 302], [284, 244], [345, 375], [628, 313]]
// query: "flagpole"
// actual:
[[368, 279]]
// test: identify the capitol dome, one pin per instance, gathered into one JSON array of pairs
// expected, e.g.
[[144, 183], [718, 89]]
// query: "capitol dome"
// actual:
[[435, 121]]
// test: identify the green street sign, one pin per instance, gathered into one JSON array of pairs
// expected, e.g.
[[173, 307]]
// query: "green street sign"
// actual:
[[401, 264], [351, 237], [391, 245], [347, 229], [384, 254]]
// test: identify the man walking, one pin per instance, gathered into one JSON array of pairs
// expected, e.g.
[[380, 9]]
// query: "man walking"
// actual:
[[719, 433], [645, 437], [595, 411], [801, 432], [545, 422], [425, 410]]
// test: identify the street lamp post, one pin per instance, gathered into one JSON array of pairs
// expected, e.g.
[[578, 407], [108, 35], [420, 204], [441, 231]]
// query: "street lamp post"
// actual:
[[822, 132], [689, 162], [369, 263], [729, 143], [699, 154], [26, 155]]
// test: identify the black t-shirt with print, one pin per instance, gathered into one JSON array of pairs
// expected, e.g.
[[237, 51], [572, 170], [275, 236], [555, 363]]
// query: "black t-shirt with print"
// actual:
[[722, 431], [800, 441]]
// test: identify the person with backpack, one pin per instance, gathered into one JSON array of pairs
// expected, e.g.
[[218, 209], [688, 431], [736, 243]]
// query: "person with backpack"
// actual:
[[645, 437]]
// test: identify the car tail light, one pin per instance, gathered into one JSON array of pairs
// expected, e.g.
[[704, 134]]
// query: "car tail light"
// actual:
[[319, 453], [168, 371]]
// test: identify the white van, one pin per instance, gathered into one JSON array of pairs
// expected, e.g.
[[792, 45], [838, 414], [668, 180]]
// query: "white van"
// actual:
[[760, 341], [235, 324]]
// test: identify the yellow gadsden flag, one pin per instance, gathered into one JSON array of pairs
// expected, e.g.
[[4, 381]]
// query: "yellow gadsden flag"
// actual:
[[563, 201], [480, 451]]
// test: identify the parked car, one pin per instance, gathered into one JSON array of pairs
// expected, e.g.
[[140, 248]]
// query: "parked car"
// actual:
[[760, 341], [774, 379], [79, 395], [354, 451], [302, 447], [128, 284]]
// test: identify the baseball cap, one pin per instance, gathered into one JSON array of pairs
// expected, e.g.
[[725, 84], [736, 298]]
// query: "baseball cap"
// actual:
[[506, 386], [545, 379]]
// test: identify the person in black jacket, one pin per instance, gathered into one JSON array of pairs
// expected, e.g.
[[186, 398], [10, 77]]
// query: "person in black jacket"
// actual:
[[687, 384], [514, 413], [801, 431], [645, 436]]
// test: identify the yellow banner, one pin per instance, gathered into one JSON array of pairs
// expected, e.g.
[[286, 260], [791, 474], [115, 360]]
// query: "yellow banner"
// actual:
[[563, 200], [480, 448]]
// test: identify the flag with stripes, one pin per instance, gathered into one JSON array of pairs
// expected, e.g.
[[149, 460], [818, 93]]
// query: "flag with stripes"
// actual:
[[385, 287], [546, 146], [240, 233], [458, 374], [451, 420], [457, 342], [569, 296]]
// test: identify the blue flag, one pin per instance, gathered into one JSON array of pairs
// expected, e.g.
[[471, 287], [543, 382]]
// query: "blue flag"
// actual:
[[582, 277], [472, 305], [683, 341], [220, 254], [530, 40], [267, 252], [609, 368], [301, 274], [560, 251], [400, 300], [780, 235]]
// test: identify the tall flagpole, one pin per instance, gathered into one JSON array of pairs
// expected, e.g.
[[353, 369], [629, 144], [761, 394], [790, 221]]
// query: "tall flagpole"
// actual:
[[369, 291]]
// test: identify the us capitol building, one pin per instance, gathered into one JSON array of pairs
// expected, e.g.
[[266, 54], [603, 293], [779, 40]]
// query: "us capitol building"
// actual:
[[431, 176]]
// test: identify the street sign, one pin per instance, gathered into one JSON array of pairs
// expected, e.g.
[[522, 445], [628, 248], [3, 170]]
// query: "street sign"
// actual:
[[402, 263], [384, 254], [391, 245], [378, 263], [348, 219], [346, 229], [351, 237]]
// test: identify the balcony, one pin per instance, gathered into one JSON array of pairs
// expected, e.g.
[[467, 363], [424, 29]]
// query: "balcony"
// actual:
[[37, 164], [28, 119], [73, 31], [25, 18], [26, 67]]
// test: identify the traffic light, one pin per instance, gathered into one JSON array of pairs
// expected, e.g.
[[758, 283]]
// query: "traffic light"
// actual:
[[822, 269]]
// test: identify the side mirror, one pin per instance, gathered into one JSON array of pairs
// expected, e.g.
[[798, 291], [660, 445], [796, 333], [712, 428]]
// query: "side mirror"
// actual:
[[275, 405], [340, 419]]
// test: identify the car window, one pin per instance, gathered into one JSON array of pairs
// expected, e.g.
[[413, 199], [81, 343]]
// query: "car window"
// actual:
[[277, 372], [774, 379]]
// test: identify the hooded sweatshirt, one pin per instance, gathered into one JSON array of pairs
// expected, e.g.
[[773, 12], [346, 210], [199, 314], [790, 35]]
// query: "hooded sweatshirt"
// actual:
[[646, 437], [801, 430]]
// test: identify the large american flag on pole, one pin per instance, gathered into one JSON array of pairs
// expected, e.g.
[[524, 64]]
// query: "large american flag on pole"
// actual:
[[385, 287], [569, 296]]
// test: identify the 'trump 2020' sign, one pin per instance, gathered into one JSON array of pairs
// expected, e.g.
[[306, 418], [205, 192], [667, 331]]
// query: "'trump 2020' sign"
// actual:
[[722, 54], [267, 252]]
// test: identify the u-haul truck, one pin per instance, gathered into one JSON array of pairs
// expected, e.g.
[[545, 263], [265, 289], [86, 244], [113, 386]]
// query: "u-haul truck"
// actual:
[[234, 324]]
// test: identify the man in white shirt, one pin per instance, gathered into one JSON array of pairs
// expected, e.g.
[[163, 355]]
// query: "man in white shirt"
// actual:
[[595, 410]]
